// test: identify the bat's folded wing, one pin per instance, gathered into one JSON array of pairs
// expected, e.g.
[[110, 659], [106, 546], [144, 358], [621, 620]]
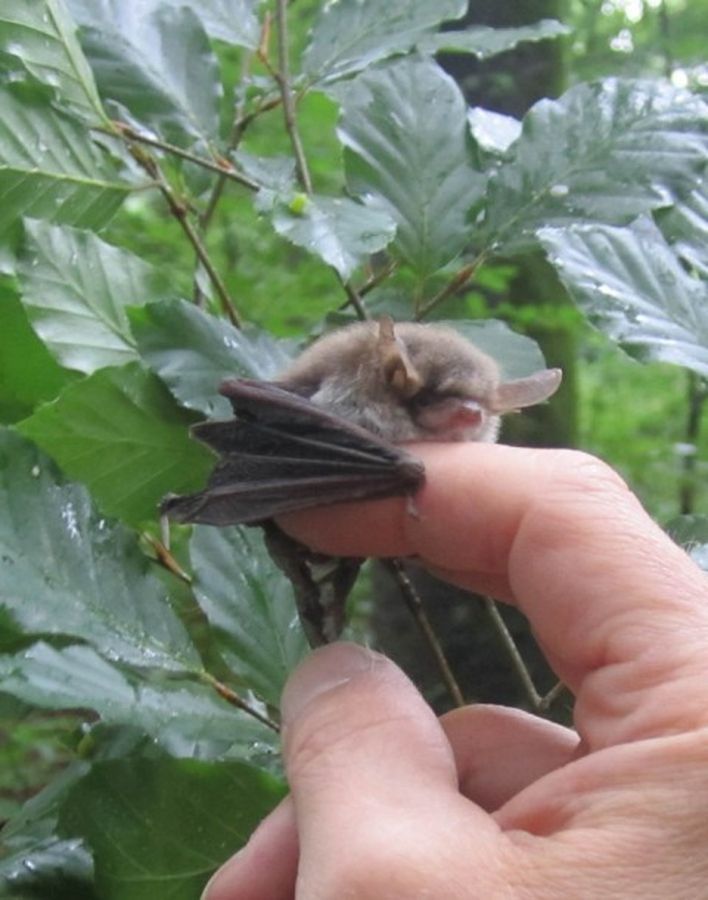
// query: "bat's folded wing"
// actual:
[[282, 453]]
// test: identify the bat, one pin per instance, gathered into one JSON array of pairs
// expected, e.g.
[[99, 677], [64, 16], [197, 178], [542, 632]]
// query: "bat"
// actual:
[[329, 430]]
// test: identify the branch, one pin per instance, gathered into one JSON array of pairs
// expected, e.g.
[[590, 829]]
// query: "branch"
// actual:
[[517, 662], [179, 211], [665, 39], [415, 605], [457, 281], [234, 699], [166, 559], [697, 395], [223, 167], [550, 698], [240, 124], [354, 299], [376, 279], [282, 77]]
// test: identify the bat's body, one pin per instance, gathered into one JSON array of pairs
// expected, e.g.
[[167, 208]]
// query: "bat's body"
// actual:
[[327, 431]]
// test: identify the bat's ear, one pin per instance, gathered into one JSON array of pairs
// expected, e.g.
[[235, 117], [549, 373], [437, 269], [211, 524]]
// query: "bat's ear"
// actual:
[[521, 392], [399, 371]]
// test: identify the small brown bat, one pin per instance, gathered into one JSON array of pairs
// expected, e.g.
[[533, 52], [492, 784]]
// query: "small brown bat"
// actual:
[[328, 429]]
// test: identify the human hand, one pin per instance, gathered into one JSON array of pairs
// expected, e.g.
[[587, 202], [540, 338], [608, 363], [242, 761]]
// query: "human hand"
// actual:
[[390, 802]]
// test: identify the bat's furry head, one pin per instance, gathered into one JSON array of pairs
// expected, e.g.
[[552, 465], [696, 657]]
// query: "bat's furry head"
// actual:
[[411, 381]]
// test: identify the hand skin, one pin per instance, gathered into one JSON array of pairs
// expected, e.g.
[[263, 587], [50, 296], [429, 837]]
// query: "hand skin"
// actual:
[[390, 803]]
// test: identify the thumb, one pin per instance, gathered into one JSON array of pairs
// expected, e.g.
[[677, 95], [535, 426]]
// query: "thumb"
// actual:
[[369, 767]]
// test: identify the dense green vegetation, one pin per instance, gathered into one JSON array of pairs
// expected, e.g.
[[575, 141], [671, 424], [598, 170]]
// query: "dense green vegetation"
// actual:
[[156, 200]]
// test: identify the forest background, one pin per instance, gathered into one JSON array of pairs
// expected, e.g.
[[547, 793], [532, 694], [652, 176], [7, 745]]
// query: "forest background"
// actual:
[[139, 686]]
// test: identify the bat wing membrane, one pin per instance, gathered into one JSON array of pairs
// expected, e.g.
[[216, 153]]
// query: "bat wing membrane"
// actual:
[[283, 453]]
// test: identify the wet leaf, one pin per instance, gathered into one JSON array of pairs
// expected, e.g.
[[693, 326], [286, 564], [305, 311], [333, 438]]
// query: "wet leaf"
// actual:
[[67, 571], [352, 35], [155, 61], [251, 606], [49, 167], [41, 36], [392, 120], [633, 287], [193, 351], [604, 152], [160, 828], [120, 432], [75, 288]]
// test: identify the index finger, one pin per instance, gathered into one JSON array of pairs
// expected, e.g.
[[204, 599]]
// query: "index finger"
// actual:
[[621, 612]]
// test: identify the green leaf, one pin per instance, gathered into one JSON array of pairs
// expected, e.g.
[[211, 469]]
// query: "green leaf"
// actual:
[[392, 122], [604, 152], [75, 288], [251, 604], [168, 710], [516, 354], [37, 819], [686, 227], [41, 35], [193, 352], [631, 285], [49, 167], [121, 433], [276, 173], [156, 62], [340, 231], [233, 21], [484, 42], [351, 35], [51, 867], [691, 532], [68, 572], [160, 828], [29, 374]]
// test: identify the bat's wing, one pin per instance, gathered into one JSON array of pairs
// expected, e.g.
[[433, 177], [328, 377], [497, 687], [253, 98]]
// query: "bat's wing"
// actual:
[[282, 453]]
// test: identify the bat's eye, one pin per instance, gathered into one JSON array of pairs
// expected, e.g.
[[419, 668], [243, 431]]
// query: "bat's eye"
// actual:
[[426, 398]]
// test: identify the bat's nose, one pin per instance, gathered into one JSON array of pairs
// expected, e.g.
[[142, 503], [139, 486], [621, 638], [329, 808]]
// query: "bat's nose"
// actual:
[[468, 413], [450, 415]]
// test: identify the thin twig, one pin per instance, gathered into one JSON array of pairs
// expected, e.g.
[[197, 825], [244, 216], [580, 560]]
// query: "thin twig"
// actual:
[[550, 698], [458, 280], [234, 699], [513, 651], [697, 396], [415, 605], [376, 279], [166, 559], [354, 299], [242, 124], [665, 39], [223, 167], [179, 211], [282, 76], [238, 128]]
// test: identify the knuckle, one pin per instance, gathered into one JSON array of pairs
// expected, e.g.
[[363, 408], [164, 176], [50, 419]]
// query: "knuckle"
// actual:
[[575, 471], [573, 475], [577, 496]]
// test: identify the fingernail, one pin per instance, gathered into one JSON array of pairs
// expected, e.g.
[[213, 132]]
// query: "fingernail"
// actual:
[[325, 669]]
